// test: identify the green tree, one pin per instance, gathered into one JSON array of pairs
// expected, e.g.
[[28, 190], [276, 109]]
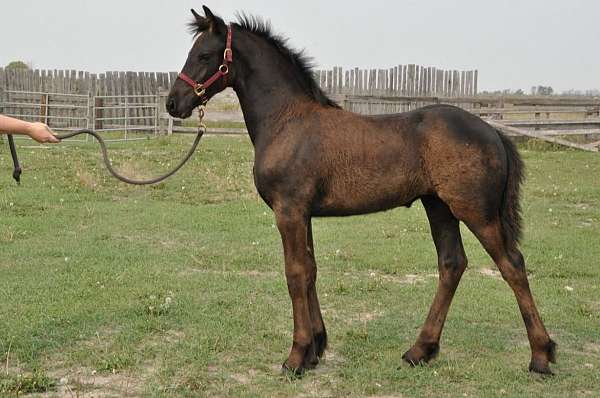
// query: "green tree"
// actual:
[[17, 65]]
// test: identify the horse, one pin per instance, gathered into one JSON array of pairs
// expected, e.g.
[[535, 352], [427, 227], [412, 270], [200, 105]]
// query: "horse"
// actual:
[[314, 159]]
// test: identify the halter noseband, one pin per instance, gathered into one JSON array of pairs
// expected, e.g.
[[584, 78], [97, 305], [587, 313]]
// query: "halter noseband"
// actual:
[[200, 88]]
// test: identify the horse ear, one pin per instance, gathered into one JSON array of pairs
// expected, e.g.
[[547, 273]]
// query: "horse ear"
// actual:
[[202, 24], [216, 24], [196, 15], [208, 13]]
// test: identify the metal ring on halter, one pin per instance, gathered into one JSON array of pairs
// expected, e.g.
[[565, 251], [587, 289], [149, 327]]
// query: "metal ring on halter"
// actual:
[[224, 69]]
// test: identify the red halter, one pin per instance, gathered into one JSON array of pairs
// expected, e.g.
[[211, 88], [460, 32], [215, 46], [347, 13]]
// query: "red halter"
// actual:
[[200, 88]]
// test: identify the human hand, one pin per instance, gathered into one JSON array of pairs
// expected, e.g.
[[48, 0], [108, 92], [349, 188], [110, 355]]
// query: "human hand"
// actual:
[[41, 133]]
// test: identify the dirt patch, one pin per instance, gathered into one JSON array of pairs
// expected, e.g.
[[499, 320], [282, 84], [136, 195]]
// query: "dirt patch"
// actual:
[[245, 378], [331, 359], [586, 223], [366, 316], [592, 347], [324, 377], [84, 382], [169, 243], [160, 340], [386, 396], [247, 273], [408, 279], [135, 170], [582, 206], [86, 179], [101, 339], [352, 317], [491, 273]]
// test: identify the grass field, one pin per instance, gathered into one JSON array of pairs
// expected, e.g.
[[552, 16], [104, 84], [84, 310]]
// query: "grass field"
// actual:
[[178, 289]]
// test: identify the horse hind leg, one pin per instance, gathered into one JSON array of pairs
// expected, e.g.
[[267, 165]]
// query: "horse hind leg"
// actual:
[[511, 264], [452, 262]]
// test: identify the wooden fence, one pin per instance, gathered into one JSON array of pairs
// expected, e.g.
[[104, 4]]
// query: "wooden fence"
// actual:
[[552, 119], [545, 110], [135, 100], [402, 80], [78, 82], [59, 96]]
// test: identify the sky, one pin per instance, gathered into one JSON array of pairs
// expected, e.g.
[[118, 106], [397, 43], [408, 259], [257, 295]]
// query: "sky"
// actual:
[[513, 43]]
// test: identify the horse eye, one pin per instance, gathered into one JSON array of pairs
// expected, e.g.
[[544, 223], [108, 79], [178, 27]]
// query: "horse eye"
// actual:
[[203, 57]]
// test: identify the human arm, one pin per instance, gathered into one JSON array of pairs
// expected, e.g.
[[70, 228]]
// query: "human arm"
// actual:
[[38, 131]]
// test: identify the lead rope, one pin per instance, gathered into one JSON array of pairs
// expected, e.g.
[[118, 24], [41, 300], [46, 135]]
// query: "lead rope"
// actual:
[[13, 152], [107, 162]]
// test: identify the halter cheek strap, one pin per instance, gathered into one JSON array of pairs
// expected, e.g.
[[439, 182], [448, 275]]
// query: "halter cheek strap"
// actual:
[[200, 88]]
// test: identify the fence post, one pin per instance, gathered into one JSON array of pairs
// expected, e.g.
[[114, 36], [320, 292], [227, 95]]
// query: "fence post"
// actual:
[[44, 108], [97, 113], [127, 115], [156, 113], [161, 106], [90, 113], [1, 100]]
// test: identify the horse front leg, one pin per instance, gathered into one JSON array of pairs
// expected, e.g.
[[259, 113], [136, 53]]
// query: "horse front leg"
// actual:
[[319, 343], [300, 272]]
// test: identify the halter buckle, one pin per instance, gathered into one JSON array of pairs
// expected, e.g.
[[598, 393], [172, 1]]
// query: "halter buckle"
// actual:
[[227, 50], [199, 90]]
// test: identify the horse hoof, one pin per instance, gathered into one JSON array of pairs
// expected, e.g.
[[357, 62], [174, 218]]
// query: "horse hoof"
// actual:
[[315, 351], [310, 362], [411, 359], [419, 355], [541, 368], [539, 362], [291, 372]]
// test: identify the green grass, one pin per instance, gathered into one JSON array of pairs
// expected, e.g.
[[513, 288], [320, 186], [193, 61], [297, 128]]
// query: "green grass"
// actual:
[[215, 124], [178, 289]]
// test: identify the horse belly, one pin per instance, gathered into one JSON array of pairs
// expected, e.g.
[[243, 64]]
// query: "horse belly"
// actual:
[[366, 190]]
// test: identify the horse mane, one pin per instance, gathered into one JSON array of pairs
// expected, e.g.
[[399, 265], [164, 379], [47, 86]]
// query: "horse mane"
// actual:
[[298, 59], [301, 62]]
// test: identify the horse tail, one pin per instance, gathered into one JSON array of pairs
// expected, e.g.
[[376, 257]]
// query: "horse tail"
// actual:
[[510, 211]]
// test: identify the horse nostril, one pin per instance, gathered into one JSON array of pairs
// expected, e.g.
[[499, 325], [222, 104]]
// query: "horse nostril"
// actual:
[[171, 105]]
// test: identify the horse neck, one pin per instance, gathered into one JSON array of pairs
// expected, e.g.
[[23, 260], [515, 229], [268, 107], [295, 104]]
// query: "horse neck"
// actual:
[[266, 85]]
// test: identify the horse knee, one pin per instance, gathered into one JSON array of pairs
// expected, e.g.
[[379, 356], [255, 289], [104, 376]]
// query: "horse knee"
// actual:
[[300, 277], [516, 259], [513, 272], [451, 270], [452, 264]]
